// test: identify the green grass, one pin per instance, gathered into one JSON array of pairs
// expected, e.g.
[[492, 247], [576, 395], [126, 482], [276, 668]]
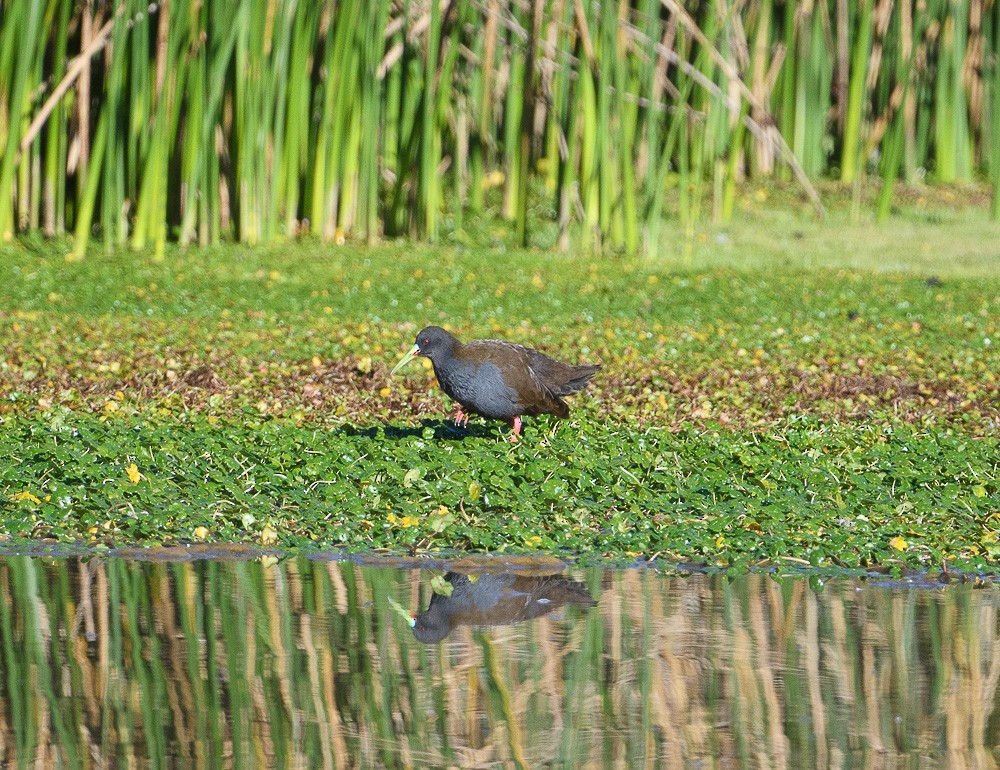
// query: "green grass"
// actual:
[[777, 390]]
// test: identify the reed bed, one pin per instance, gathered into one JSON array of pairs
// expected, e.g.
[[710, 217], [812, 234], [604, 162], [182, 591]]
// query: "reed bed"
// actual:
[[203, 120]]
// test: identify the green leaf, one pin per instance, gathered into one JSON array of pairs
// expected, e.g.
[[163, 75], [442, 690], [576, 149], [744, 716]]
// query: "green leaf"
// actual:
[[440, 586]]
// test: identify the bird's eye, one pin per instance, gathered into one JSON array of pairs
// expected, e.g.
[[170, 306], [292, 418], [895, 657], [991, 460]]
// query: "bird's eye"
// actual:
[[425, 342]]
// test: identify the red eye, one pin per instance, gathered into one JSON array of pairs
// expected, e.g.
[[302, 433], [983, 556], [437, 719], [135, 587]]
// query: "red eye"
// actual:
[[425, 342]]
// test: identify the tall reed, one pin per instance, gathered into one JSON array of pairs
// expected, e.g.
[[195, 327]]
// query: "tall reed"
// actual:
[[202, 120]]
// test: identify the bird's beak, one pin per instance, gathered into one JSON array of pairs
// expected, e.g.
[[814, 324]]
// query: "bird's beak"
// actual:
[[410, 355]]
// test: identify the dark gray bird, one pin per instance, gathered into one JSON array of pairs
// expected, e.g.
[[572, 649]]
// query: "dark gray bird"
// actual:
[[496, 379]]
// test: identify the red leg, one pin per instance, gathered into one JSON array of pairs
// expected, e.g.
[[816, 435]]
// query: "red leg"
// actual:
[[516, 425], [461, 418]]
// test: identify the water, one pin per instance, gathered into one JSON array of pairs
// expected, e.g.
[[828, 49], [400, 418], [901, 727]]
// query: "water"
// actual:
[[306, 663]]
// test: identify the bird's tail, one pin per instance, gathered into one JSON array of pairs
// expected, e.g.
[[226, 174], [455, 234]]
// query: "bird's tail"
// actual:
[[578, 378]]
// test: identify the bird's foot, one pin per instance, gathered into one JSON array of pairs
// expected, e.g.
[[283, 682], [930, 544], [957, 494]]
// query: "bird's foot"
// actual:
[[461, 419], [516, 425]]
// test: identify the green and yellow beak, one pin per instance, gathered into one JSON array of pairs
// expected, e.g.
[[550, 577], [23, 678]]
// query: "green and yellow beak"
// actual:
[[410, 355]]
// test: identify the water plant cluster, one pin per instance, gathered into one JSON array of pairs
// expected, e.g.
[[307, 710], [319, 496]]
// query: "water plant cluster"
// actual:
[[201, 121], [821, 416]]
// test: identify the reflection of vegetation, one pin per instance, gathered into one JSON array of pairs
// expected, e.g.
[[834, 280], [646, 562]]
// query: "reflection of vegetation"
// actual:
[[305, 663]]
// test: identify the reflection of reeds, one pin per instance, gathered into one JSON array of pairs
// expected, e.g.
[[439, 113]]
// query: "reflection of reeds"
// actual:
[[304, 664]]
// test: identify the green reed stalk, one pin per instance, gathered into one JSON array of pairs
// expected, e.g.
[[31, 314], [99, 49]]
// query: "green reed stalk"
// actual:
[[630, 131], [27, 198], [113, 194], [606, 159], [21, 38], [53, 176], [894, 142], [372, 100], [790, 74], [760, 53], [201, 160], [588, 168], [561, 140], [450, 52], [654, 119], [527, 121], [813, 82], [514, 107], [953, 146], [710, 115], [297, 114], [850, 160], [167, 83], [682, 121], [551, 56], [430, 135], [338, 102], [88, 202], [279, 121], [992, 133], [624, 104], [736, 148], [404, 207], [193, 136]]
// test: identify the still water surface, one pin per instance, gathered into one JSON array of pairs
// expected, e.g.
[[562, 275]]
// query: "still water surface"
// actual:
[[308, 663]]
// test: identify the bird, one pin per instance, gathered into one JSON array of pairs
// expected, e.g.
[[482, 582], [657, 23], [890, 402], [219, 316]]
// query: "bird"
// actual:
[[496, 379]]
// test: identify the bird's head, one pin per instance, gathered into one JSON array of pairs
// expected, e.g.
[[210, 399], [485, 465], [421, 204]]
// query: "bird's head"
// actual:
[[431, 341]]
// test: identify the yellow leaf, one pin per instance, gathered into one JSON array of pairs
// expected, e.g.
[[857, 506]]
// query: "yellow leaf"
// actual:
[[22, 496], [268, 535], [720, 541], [979, 491], [201, 532], [898, 543], [133, 473]]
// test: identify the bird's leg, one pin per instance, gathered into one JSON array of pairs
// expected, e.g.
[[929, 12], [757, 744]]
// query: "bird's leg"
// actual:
[[461, 418], [516, 425]]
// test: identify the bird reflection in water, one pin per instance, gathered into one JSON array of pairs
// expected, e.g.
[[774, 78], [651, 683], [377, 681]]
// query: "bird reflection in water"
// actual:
[[496, 599]]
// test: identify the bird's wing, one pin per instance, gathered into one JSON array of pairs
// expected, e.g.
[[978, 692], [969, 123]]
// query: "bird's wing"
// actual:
[[538, 366]]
